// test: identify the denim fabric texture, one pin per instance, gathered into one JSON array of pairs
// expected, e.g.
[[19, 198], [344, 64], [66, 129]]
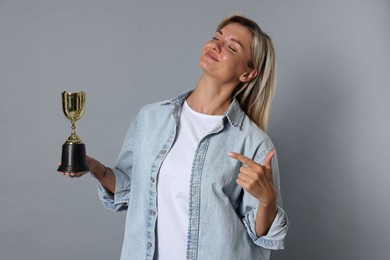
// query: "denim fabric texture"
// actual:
[[222, 214]]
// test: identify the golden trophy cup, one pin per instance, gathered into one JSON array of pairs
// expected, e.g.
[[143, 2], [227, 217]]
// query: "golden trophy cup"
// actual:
[[73, 150]]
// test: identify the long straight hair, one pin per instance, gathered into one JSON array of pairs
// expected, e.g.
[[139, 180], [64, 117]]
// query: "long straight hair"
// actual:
[[255, 96]]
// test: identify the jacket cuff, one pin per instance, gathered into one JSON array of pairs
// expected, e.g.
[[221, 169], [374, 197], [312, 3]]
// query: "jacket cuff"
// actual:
[[119, 200], [275, 238]]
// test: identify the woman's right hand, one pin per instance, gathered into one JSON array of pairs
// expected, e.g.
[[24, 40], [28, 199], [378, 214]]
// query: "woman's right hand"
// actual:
[[93, 165]]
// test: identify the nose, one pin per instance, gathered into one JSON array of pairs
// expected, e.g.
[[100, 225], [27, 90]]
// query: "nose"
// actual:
[[216, 46]]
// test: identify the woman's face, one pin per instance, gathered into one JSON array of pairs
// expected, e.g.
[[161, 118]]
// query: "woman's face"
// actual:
[[227, 54]]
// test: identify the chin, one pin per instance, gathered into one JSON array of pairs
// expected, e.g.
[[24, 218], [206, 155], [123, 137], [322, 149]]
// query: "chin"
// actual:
[[205, 65], [202, 66]]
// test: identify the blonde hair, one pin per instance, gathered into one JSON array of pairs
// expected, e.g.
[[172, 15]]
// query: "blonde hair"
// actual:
[[255, 96]]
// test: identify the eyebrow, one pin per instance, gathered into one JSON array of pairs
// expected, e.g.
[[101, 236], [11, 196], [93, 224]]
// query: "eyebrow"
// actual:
[[233, 39]]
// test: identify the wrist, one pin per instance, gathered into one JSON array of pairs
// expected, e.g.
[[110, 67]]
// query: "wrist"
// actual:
[[268, 204], [100, 175], [268, 201]]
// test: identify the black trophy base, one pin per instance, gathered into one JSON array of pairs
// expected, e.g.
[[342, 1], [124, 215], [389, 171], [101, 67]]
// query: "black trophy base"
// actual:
[[73, 158]]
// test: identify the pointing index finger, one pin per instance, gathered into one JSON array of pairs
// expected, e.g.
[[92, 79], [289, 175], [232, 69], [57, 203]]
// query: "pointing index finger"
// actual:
[[242, 158]]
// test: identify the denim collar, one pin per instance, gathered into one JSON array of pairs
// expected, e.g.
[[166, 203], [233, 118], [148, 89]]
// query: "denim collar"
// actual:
[[234, 113]]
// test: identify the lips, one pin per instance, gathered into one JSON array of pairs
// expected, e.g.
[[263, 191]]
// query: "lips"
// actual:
[[212, 55]]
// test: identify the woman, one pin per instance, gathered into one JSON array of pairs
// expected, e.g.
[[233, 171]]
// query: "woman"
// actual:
[[197, 174]]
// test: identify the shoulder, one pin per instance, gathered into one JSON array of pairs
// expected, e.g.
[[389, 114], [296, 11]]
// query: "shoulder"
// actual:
[[152, 112], [151, 108], [251, 127], [162, 107], [256, 136], [245, 131]]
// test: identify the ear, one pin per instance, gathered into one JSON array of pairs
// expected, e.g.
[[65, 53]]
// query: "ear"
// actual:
[[248, 75]]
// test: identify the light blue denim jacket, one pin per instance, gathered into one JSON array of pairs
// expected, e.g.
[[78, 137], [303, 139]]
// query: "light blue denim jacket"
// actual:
[[222, 214]]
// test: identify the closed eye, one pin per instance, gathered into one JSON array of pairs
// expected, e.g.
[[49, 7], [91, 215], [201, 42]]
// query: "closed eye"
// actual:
[[232, 49]]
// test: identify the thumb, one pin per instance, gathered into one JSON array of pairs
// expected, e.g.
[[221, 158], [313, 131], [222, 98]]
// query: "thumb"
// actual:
[[268, 159]]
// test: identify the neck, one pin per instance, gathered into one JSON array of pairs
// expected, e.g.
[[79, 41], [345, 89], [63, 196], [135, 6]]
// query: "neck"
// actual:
[[211, 97]]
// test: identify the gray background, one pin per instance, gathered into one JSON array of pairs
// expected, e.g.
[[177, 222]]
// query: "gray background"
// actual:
[[330, 117]]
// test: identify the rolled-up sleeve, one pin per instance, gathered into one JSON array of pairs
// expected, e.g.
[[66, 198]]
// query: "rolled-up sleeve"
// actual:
[[275, 238], [122, 171], [120, 199]]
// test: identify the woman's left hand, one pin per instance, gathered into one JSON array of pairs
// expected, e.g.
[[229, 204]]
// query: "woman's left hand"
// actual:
[[256, 178]]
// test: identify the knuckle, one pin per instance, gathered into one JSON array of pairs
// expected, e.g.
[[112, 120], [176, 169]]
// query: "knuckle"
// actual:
[[251, 185], [258, 168]]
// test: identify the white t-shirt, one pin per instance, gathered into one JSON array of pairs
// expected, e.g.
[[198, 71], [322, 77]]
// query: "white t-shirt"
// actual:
[[174, 181]]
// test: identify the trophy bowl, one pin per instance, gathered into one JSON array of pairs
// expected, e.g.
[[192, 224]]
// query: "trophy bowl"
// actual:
[[73, 158]]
